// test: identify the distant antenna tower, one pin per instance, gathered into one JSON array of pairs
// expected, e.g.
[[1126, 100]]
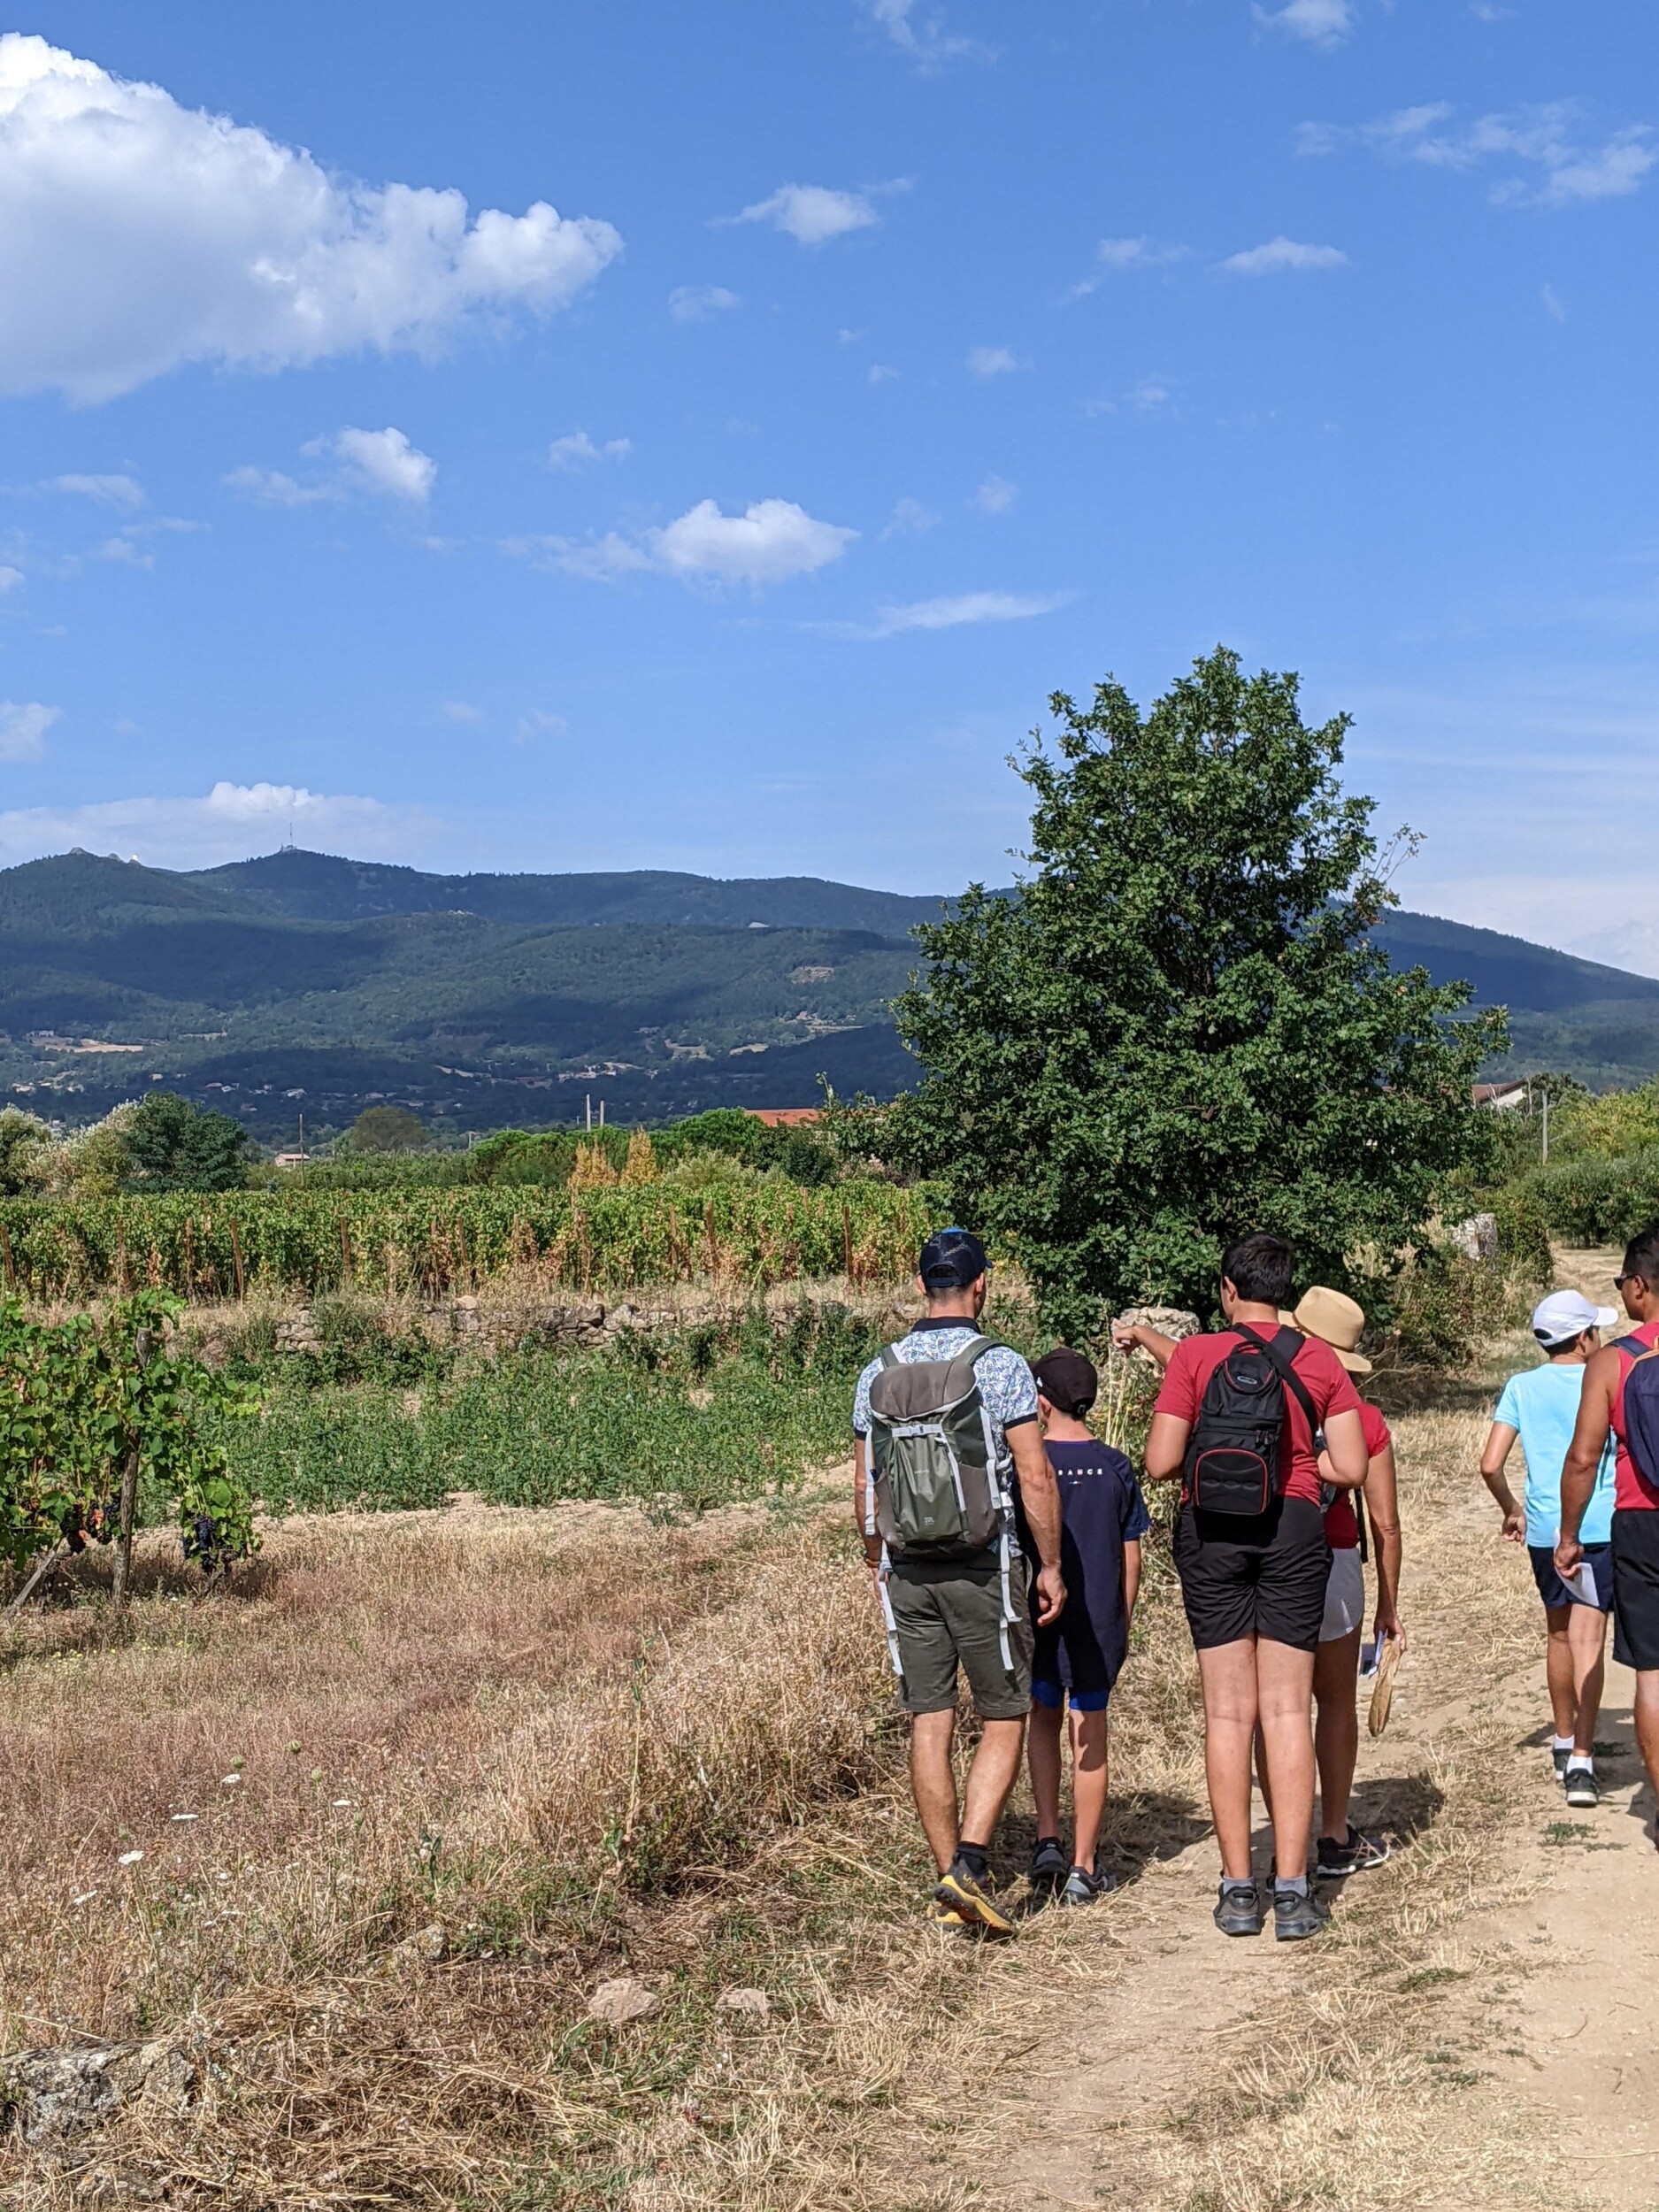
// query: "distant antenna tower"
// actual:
[[290, 846]]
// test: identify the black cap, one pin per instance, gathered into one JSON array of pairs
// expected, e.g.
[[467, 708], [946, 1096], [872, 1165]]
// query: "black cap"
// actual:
[[1067, 1380], [951, 1259]]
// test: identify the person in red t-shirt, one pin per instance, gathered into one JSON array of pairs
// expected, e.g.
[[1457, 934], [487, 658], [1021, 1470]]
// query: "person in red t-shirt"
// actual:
[[1636, 1493], [1254, 1589]]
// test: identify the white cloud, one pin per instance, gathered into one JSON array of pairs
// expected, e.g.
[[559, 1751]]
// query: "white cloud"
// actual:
[[535, 724], [1555, 307], [229, 822], [1280, 254], [114, 491], [1566, 173], [124, 549], [1116, 255], [1148, 394], [462, 710], [1320, 22], [10, 578], [136, 235], [910, 520], [771, 541], [270, 488], [951, 613], [23, 729], [812, 214], [996, 496], [576, 450], [880, 372], [383, 462], [991, 361], [695, 302], [921, 35]]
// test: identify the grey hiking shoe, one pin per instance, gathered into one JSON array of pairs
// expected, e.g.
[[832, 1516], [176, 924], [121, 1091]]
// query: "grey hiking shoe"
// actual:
[[1583, 1789], [1048, 1863], [1558, 1759], [1239, 1909], [1083, 1888], [1297, 1915]]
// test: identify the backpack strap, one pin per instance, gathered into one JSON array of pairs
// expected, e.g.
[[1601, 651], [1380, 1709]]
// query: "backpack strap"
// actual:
[[1634, 1346], [889, 1355], [1287, 1374]]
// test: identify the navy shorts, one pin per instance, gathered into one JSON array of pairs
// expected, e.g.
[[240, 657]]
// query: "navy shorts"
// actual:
[[1554, 1591], [1056, 1696]]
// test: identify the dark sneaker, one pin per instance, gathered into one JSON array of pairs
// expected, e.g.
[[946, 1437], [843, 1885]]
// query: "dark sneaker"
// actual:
[[1558, 1759], [940, 1914], [1239, 1909], [1297, 1916], [1050, 1865], [1355, 1856], [1082, 1887], [970, 1895], [1583, 1789]]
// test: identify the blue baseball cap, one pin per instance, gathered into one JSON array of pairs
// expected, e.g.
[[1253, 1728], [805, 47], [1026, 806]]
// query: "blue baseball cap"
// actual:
[[951, 1259]]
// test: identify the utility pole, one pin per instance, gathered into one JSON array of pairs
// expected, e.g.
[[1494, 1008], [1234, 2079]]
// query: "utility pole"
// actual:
[[1545, 1160], [589, 1100]]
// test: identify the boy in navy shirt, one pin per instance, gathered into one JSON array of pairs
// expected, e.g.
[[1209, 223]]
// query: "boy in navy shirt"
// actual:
[[1079, 1652]]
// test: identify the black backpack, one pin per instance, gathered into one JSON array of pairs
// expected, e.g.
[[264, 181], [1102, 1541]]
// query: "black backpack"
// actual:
[[1237, 1445]]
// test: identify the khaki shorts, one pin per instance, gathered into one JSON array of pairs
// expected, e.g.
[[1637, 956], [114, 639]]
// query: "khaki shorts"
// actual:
[[959, 1623]]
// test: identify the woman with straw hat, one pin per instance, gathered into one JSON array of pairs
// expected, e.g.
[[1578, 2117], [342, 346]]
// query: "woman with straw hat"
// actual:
[[1340, 1322]]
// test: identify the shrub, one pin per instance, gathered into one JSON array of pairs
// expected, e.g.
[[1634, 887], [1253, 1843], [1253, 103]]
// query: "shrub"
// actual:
[[1592, 1200]]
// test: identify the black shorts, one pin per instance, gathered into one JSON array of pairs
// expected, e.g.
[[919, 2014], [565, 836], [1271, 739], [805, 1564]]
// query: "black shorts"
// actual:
[[1257, 1577], [1636, 1589]]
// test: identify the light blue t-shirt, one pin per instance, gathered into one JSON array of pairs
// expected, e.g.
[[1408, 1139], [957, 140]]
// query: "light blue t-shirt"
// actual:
[[1541, 1404]]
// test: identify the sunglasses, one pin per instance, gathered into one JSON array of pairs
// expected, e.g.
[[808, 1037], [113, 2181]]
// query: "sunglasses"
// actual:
[[1619, 1281]]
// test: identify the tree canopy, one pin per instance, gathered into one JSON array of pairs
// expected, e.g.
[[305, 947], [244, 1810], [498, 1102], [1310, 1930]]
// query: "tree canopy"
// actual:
[[1179, 1030], [387, 1129], [172, 1145]]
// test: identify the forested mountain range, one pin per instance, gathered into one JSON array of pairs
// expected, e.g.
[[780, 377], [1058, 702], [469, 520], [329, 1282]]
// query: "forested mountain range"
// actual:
[[305, 982]]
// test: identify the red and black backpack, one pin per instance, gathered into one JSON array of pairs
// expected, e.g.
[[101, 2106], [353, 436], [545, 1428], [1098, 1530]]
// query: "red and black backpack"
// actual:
[[1237, 1446]]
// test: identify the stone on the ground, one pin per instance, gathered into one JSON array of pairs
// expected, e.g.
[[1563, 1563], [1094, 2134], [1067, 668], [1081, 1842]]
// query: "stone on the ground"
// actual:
[[624, 1998], [46, 2095], [756, 2002]]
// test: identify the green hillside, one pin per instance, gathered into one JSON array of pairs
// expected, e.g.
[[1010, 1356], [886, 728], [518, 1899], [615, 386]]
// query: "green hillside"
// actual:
[[303, 982]]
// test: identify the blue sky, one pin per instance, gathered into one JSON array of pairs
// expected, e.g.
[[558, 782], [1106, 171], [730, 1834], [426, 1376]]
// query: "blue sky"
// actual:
[[885, 367]]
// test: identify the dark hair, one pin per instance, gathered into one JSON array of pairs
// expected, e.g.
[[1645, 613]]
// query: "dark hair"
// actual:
[[1260, 1268], [1641, 1255]]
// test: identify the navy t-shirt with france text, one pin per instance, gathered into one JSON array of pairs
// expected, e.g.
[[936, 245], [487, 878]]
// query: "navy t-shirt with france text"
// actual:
[[1102, 1510]]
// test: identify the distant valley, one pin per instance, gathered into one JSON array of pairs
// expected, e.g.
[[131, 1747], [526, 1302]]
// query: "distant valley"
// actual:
[[302, 983]]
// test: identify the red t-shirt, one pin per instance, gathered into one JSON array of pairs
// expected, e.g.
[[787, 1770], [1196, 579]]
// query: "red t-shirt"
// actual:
[[1328, 1383], [1632, 1491], [1341, 1523]]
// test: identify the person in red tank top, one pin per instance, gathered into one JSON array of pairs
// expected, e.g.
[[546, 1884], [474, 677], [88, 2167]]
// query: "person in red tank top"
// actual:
[[1636, 1498]]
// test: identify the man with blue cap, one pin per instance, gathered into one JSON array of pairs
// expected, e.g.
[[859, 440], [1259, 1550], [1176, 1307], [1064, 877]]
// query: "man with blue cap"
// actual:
[[947, 1452]]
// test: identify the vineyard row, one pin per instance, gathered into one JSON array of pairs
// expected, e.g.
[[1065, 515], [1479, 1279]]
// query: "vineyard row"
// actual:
[[432, 1242]]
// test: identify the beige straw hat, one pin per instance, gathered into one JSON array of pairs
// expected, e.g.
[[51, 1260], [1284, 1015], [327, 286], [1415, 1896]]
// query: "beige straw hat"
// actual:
[[1335, 1320]]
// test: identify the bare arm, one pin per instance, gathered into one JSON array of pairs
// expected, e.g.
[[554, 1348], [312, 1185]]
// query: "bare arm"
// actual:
[[1132, 1575], [1500, 1444], [872, 1544], [1381, 1500], [1127, 1335], [1167, 1447], [1583, 1454], [1040, 1495], [1345, 1461]]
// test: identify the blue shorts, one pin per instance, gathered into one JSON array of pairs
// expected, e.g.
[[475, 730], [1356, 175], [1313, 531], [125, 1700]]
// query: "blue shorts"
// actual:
[[1054, 1696], [1554, 1591]]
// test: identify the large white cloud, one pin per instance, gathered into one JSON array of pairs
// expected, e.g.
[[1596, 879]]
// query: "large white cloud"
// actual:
[[771, 541], [136, 235], [231, 821]]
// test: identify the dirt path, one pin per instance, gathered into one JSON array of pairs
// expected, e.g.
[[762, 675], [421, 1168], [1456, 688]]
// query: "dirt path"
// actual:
[[1462, 2050]]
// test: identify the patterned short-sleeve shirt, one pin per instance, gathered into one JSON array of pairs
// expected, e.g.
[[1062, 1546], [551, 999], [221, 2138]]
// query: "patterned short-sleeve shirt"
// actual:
[[1007, 1389]]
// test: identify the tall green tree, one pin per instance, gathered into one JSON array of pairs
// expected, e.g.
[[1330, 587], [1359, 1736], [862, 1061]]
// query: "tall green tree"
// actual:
[[173, 1145], [1179, 1030]]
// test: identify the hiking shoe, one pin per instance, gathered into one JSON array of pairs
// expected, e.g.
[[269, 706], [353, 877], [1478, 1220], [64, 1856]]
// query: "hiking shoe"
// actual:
[[1354, 1855], [1558, 1759], [1583, 1789], [1297, 1916], [940, 1914], [970, 1894], [1239, 1909], [1082, 1887], [1050, 1865]]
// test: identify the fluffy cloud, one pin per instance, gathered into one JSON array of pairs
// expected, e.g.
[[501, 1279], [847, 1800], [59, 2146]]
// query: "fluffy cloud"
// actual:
[[1567, 172], [812, 214], [114, 491], [233, 820], [381, 462], [136, 235], [1320, 22], [23, 729], [991, 361], [951, 613], [695, 302], [576, 450], [1280, 254], [910, 520], [920, 34], [771, 541], [995, 495]]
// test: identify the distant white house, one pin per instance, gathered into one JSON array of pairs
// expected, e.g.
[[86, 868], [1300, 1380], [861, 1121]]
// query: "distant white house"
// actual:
[[1502, 1098]]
